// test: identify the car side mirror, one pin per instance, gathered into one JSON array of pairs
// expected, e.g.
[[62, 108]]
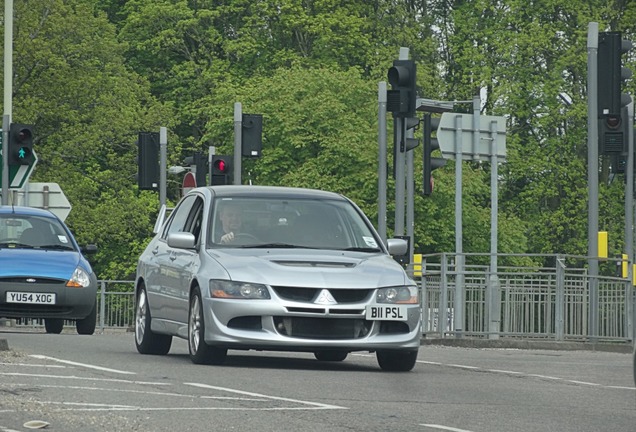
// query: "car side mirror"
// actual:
[[181, 240], [89, 249], [397, 246]]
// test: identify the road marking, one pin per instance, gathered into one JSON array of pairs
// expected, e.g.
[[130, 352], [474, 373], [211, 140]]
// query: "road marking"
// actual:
[[73, 377], [316, 404], [43, 357], [509, 372], [448, 428], [33, 365]]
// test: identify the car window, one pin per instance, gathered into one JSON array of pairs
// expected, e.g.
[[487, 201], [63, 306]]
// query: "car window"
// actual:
[[295, 222], [33, 231], [180, 217]]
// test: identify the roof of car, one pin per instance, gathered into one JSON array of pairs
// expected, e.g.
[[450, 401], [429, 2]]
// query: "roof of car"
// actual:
[[22, 210], [269, 191]]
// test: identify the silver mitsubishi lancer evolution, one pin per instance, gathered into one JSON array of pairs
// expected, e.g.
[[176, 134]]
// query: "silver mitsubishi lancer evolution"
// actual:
[[275, 268]]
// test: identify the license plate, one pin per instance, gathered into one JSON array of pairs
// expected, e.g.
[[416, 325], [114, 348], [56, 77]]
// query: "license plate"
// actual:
[[30, 298], [387, 312]]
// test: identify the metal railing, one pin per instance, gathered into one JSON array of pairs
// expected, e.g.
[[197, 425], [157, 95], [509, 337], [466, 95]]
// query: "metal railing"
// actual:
[[519, 301], [525, 301]]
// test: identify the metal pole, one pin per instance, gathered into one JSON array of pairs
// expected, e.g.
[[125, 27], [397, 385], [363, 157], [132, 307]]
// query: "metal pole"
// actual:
[[211, 153], [592, 175], [382, 160], [459, 260], [238, 139], [410, 190], [629, 218], [8, 92], [163, 162], [400, 164], [494, 313]]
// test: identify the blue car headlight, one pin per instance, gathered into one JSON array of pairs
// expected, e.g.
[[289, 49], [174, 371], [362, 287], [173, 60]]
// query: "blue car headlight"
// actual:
[[80, 279], [398, 295], [237, 290]]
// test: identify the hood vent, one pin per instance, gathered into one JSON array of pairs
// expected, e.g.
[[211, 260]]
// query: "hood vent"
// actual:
[[328, 264]]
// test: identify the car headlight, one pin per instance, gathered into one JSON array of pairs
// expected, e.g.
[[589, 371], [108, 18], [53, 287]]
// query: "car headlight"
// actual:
[[80, 279], [237, 290], [400, 294]]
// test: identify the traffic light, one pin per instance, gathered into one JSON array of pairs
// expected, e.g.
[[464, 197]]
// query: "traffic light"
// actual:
[[148, 161], [252, 135], [201, 167], [402, 97], [611, 100], [20, 144], [409, 143], [430, 163], [221, 169]]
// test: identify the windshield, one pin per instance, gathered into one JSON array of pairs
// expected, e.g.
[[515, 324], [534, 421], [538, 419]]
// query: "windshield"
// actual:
[[285, 222], [27, 231]]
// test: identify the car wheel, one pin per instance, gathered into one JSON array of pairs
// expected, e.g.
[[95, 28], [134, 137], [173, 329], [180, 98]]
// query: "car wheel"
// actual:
[[331, 355], [86, 326], [396, 360], [146, 341], [54, 325], [200, 352]]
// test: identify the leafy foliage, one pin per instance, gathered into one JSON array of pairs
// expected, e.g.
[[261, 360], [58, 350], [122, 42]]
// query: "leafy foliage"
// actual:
[[90, 74]]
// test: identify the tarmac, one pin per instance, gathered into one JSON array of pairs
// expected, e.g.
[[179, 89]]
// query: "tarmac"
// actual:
[[504, 343]]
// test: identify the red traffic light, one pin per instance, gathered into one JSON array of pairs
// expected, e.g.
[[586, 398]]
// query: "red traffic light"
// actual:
[[220, 166]]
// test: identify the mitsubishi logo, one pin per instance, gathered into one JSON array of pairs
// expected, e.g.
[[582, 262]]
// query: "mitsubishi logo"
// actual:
[[325, 297]]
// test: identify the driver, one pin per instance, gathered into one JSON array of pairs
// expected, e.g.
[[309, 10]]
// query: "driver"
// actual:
[[231, 222]]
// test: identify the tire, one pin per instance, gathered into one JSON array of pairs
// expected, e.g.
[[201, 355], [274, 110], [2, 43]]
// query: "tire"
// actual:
[[331, 355], [86, 326], [201, 352], [396, 360], [53, 325], [146, 341]]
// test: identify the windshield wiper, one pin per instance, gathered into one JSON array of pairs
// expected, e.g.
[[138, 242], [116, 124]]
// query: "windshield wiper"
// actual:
[[56, 247], [15, 245], [276, 246], [362, 249]]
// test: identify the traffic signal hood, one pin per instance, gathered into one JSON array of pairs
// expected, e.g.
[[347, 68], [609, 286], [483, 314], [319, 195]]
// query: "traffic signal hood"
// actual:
[[20, 144]]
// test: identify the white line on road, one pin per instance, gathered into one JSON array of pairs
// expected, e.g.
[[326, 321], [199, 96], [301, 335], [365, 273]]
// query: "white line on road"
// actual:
[[72, 377], [448, 428], [43, 357], [316, 404], [509, 372]]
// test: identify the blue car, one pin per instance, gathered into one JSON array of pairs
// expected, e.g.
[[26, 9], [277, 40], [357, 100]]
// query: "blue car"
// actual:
[[43, 272]]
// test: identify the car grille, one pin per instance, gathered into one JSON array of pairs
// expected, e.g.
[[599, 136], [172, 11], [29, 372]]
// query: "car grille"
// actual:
[[341, 295], [11, 310], [322, 328]]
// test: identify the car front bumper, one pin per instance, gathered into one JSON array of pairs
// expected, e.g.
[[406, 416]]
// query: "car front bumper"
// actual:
[[265, 324]]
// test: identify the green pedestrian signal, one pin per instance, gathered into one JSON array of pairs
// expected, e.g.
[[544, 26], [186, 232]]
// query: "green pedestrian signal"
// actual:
[[20, 144]]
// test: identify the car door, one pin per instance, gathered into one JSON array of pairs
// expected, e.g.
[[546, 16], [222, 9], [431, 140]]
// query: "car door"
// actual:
[[182, 264], [162, 289]]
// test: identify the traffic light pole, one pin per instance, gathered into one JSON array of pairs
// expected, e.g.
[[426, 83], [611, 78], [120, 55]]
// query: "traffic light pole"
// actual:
[[8, 92], [400, 164], [629, 217], [163, 162], [382, 160], [592, 175], [238, 139]]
